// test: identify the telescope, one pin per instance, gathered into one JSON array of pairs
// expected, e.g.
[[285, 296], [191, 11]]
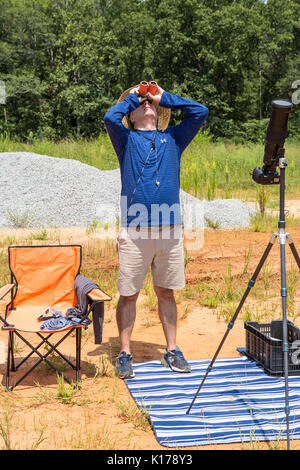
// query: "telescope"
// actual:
[[277, 132]]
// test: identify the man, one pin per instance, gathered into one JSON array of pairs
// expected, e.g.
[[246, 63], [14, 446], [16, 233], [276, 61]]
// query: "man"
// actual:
[[149, 156]]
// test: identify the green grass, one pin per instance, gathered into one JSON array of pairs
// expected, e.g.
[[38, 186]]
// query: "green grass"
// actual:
[[97, 152], [209, 170], [269, 223], [213, 170]]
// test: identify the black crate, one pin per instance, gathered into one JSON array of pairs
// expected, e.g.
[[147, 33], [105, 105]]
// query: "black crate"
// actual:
[[264, 345]]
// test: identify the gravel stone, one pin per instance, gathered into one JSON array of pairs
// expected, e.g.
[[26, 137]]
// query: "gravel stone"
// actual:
[[40, 191]]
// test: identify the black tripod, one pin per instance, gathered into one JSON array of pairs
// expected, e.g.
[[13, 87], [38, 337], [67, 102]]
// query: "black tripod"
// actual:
[[283, 236]]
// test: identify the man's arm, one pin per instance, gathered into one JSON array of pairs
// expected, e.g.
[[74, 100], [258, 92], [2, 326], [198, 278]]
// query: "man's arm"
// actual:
[[113, 121], [195, 115]]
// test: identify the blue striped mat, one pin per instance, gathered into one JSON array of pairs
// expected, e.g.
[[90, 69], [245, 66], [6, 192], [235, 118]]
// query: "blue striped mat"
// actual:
[[238, 402]]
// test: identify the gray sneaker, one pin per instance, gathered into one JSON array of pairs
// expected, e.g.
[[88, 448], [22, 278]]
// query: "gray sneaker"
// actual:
[[124, 366], [175, 361]]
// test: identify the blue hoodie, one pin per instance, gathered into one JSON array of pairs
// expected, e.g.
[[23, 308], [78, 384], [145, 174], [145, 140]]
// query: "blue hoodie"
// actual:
[[143, 201]]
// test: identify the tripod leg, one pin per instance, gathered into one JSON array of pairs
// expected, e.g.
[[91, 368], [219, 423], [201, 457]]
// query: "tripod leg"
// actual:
[[285, 333], [231, 323], [293, 249]]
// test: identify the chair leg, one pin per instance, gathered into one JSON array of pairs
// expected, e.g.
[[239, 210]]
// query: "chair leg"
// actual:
[[33, 351], [8, 361], [54, 348], [42, 358], [78, 355], [11, 361], [13, 367]]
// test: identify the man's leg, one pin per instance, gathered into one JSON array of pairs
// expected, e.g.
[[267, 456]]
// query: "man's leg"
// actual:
[[168, 275], [167, 311], [126, 313], [135, 257]]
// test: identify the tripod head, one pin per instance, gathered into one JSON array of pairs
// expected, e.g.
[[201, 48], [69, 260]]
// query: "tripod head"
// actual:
[[277, 132]]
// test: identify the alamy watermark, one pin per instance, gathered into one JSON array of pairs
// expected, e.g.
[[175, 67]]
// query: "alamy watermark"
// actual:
[[184, 220], [295, 356], [2, 92], [296, 93]]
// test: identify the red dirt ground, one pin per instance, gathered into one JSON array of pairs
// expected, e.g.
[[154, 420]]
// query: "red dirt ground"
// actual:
[[95, 417]]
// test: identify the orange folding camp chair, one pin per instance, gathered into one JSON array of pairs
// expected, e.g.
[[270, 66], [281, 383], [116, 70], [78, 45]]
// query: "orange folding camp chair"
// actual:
[[43, 276]]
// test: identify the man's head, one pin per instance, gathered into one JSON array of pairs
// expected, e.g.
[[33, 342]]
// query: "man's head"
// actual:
[[148, 113], [145, 117]]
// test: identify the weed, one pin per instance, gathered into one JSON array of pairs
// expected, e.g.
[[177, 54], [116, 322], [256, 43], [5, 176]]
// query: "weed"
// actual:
[[18, 220], [40, 438], [91, 228], [226, 312], [139, 417], [185, 258], [5, 426], [40, 235], [247, 314], [43, 397], [293, 283], [211, 223], [104, 438], [188, 292], [211, 301], [185, 312], [65, 392], [232, 292], [55, 359], [262, 197], [150, 299], [247, 257], [10, 240], [104, 368], [266, 274]]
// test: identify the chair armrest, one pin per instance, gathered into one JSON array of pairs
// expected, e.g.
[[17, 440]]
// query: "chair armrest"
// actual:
[[4, 290], [98, 295]]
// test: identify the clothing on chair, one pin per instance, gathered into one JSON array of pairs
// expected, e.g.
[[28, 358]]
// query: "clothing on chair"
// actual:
[[82, 286]]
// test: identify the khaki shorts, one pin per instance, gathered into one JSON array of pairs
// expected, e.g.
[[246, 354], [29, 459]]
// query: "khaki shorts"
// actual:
[[158, 248]]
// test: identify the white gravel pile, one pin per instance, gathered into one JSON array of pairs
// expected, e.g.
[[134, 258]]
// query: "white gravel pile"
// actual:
[[42, 191]]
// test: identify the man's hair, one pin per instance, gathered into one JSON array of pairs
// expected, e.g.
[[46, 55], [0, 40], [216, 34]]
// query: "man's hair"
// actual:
[[130, 125]]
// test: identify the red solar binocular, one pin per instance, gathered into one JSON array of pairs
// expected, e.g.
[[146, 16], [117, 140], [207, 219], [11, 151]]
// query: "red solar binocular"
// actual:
[[147, 87]]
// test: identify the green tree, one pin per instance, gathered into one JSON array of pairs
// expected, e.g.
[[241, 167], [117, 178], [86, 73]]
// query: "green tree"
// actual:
[[25, 37], [66, 62]]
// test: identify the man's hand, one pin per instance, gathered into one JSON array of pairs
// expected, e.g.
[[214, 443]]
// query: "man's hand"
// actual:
[[135, 91], [155, 98]]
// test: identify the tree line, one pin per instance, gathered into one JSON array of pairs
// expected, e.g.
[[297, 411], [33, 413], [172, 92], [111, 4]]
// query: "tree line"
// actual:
[[64, 63]]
